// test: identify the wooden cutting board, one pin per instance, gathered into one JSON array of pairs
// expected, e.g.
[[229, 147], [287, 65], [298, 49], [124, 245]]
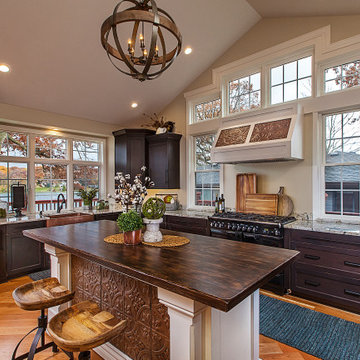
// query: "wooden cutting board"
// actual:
[[265, 204], [285, 205], [245, 184]]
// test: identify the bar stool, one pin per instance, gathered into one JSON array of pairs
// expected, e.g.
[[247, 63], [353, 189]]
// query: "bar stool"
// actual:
[[83, 327], [40, 295]]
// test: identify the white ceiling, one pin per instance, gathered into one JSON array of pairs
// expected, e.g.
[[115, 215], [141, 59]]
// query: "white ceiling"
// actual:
[[58, 64], [278, 8]]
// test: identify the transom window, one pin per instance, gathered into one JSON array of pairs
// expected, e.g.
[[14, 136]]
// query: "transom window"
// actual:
[[342, 163], [207, 174], [245, 93], [86, 151], [13, 144], [47, 147], [342, 76], [291, 81], [208, 110]]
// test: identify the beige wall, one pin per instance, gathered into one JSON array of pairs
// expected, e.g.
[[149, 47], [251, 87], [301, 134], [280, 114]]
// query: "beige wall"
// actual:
[[296, 177]]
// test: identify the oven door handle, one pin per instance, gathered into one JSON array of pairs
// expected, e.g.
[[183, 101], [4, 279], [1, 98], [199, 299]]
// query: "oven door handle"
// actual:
[[251, 236]]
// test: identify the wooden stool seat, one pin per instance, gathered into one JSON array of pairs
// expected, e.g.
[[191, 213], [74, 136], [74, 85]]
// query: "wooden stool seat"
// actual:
[[42, 294], [83, 326]]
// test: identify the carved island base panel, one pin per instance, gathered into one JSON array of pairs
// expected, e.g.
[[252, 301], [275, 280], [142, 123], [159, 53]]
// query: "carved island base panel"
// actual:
[[146, 336]]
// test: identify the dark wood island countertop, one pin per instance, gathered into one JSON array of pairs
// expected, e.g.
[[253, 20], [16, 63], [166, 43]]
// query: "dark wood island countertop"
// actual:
[[216, 272]]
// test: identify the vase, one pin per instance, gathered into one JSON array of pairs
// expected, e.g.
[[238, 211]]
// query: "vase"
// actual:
[[152, 233], [132, 237]]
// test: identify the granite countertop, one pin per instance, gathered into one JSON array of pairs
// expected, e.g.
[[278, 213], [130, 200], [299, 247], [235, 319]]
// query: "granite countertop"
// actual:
[[326, 226], [15, 220], [191, 213]]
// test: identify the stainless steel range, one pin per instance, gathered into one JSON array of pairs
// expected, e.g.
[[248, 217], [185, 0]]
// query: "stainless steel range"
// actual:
[[253, 228]]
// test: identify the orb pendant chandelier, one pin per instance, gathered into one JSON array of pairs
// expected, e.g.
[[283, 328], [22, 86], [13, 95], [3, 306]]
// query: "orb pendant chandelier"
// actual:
[[152, 44]]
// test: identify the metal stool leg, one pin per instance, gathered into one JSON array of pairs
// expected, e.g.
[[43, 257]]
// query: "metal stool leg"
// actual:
[[84, 355], [17, 346]]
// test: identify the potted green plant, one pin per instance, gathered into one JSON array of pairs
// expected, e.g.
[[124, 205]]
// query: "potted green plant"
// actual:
[[88, 196], [153, 210], [131, 224]]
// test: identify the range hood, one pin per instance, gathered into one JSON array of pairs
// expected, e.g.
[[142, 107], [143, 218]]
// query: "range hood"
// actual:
[[275, 139]]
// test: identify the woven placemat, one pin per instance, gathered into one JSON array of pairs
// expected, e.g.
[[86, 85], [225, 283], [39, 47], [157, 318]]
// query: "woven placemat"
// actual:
[[167, 241]]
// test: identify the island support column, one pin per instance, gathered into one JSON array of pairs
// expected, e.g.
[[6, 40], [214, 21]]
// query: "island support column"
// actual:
[[198, 332]]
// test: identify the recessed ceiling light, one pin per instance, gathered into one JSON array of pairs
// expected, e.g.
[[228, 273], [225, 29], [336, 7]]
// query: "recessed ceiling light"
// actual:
[[134, 105], [188, 50], [4, 68]]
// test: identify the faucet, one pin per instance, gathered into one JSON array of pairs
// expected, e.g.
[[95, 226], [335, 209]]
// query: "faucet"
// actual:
[[63, 202]]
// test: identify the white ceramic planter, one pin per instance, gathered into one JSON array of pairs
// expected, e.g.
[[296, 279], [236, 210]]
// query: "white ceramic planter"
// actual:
[[152, 233]]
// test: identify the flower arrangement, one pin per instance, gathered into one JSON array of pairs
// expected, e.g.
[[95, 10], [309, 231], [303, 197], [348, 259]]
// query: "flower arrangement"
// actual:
[[132, 194], [88, 196], [157, 121]]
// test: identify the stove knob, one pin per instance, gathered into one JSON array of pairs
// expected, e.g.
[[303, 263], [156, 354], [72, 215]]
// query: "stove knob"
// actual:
[[276, 232], [215, 224], [221, 225], [250, 228], [244, 228], [212, 224], [229, 226], [234, 227], [238, 227], [255, 229]]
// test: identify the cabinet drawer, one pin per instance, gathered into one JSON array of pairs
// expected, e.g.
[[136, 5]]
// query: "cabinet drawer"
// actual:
[[329, 258], [187, 224], [330, 289]]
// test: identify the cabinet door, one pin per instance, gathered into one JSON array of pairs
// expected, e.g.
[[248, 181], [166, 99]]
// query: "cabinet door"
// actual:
[[3, 275], [158, 165], [24, 255]]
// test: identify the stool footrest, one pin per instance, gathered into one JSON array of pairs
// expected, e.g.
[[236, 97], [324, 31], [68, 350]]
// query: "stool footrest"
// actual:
[[40, 348]]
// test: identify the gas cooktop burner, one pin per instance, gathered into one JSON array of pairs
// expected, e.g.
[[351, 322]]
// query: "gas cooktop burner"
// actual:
[[270, 219]]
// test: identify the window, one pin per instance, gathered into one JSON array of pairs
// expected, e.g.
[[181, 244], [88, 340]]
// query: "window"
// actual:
[[291, 81], [244, 93], [342, 163], [47, 147], [207, 174], [50, 181], [13, 144], [86, 151], [208, 110], [342, 76], [11, 173], [85, 177]]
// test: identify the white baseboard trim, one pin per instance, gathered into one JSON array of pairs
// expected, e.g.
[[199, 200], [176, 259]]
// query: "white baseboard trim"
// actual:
[[110, 352]]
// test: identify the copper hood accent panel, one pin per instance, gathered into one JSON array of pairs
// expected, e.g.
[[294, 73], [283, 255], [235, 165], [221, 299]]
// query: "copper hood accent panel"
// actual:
[[233, 136], [273, 139]]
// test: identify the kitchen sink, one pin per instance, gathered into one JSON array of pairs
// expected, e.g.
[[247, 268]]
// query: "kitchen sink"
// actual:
[[68, 218]]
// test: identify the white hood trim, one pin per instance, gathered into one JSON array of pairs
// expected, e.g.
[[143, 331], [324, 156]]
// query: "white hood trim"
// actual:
[[287, 148]]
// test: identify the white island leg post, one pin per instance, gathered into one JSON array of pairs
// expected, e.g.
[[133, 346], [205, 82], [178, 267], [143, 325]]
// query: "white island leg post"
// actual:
[[198, 332]]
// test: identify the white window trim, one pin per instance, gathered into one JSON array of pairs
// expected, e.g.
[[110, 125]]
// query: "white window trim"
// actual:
[[31, 160], [191, 177], [203, 99], [319, 163]]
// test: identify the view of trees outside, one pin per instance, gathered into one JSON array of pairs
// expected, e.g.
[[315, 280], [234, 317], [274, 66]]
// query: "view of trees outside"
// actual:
[[207, 174], [50, 179], [244, 93], [208, 110], [291, 81], [342, 76], [342, 170]]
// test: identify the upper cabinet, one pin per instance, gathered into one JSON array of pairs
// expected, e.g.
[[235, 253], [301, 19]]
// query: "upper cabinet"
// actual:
[[164, 160], [159, 153], [131, 150]]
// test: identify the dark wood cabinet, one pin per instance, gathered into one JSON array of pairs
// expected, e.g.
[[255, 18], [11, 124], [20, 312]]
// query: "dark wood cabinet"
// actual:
[[3, 274], [23, 255], [164, 160], [107, 216], [131, 150], [191, 225], [328, 268]]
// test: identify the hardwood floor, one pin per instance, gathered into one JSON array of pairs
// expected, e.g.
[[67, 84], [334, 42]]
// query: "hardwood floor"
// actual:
[[14, 323]]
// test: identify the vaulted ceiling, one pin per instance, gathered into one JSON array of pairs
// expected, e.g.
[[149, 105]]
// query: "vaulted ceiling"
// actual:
[[58, 64]]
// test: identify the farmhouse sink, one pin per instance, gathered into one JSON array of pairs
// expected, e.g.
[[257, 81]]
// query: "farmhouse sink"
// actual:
[[68, 218]]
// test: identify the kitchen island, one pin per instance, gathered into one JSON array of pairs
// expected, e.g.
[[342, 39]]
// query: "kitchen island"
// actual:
[[198, 301]]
